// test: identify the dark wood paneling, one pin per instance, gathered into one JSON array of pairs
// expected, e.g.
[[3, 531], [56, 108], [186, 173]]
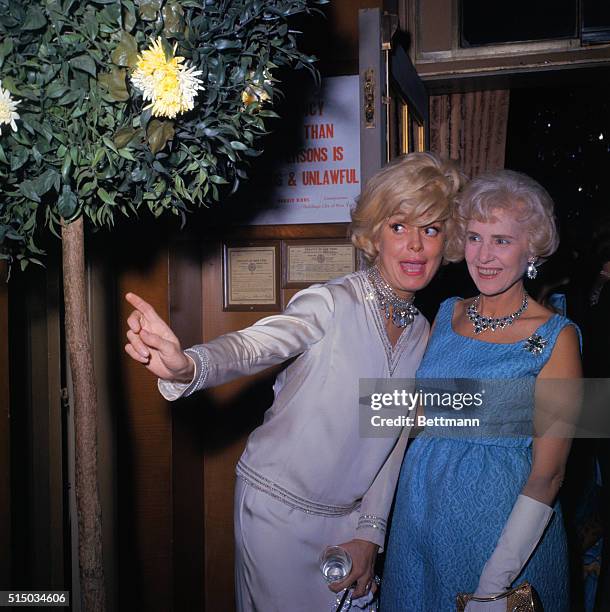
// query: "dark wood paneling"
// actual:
[[49, 426], [278, 232], [232, 410], [5, 473], [40, 543], [102, 319], [144, 458], [335, 39], [188, 425]]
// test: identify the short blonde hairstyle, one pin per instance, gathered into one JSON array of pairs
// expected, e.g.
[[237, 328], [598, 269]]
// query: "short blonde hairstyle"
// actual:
[[514, 191], [421, 186]]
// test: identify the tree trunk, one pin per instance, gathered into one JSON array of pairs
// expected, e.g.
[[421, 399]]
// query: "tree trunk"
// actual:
[[93, 594]]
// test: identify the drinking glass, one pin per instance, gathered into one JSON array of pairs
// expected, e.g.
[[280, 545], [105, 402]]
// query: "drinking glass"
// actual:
[[335, 564]]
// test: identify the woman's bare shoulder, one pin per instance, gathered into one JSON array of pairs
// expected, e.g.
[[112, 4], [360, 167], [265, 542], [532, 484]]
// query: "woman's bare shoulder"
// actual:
[[538, 313]]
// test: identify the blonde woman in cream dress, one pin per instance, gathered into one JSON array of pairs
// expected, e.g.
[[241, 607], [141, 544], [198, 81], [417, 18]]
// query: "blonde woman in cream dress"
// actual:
[[307, 479]]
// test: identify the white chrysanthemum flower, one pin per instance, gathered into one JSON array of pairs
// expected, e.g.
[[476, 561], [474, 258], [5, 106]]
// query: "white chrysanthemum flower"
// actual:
[[8, 109], [169, 84]]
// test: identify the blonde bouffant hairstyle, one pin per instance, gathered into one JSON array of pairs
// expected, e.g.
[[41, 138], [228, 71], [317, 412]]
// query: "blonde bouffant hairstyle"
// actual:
[[422, 186], [516, 192]]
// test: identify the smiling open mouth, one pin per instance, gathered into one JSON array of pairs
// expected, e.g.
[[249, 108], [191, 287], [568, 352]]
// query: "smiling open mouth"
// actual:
[[488, 272], [413, 267]]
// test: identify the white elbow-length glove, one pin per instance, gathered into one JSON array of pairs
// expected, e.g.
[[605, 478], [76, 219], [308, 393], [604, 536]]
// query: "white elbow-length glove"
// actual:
[[520, 536]]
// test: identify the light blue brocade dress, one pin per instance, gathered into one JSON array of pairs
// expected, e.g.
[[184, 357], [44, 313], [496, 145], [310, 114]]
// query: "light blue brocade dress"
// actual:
[[456, 490]]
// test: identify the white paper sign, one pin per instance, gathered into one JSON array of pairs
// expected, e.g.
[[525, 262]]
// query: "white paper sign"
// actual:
[[321, 181]]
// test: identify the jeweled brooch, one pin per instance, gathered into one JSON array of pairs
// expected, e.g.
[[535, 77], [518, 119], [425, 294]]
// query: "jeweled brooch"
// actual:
[[535, 344]]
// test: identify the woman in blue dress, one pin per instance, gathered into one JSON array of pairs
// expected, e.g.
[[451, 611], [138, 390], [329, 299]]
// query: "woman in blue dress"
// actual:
[[476, 509]]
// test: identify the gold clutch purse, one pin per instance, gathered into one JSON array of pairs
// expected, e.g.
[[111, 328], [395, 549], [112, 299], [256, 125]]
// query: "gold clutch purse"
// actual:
[[520, 599]]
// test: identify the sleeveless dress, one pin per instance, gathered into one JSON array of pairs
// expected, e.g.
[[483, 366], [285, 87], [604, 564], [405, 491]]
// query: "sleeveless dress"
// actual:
[[457, 487]]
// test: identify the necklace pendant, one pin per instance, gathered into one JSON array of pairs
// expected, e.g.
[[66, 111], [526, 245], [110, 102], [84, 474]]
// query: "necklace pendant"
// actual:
[[400, 311], [481, 323]]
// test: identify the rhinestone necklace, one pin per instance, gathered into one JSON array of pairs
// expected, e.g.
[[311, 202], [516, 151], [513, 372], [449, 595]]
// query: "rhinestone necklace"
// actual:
[[481, 323], [401, 311]]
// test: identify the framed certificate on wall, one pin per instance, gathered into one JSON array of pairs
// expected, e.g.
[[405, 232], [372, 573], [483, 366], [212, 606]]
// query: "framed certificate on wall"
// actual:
[[251, 276], [316, 261]]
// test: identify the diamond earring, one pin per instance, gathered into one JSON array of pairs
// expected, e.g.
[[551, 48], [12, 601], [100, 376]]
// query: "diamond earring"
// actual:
[[532, 272]]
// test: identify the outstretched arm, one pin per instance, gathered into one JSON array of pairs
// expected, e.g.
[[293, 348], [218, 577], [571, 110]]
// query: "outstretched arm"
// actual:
[[268, 342]]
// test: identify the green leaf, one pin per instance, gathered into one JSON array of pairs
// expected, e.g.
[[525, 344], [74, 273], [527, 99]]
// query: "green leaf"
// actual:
[[148, 9], [115, 84], [91, 24], [123, 136], [66, 169], [34, 19], [105, 196], [160, 168], [109, 144], [29, 224], [111, 15], [18, 158], [67, 202], [97, 158], [268, 113], [87, 188], [9, 84], [129, 16], [158, 133], [126, 154], [28, 189], [173, 20], [81, 176], [84, 63], [224, 43], [219, 180], [78, 112], [138, 175], [70, 97], [55, 90], [238, 146], [126, 52], [6, 46], [46, 181]]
